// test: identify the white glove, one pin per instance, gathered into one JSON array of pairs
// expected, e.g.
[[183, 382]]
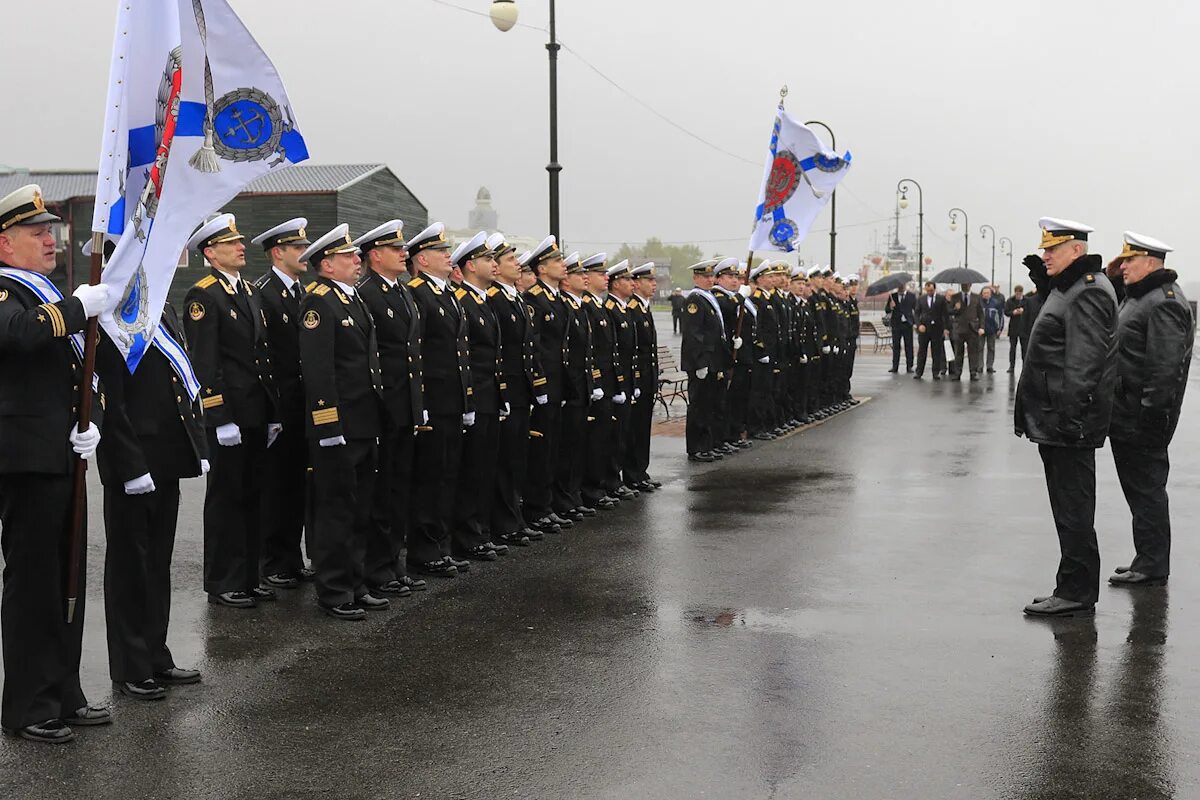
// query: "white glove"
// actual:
[[619, 398], [637, 393], [837, 350], [737, 342], [506, 410], [469, 419], [702, 373], [273, 429], [143, 484], [95, 299], [597, 394], [229, 434], [542, 399], [825, 349], [765, 360], [803, 359], [204, 467], [332, 441], [85, 443], [745, 290], [424, 417]]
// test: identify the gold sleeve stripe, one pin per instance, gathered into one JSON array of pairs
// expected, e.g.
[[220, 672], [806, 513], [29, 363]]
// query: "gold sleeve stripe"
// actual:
[[539, 382], [213, 402], [58, 325], [325, 416]]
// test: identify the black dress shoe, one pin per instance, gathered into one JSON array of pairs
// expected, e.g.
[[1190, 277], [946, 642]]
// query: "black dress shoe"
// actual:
[[892, 370], [281, 580], [625, 493], [481, 552], [90, 715], [616, 501], [262, 595], [742, 443], [714, 455], [605, 503], [307, 574], [52, 731], [1131, 578], [916, 376], [500, 549], [990, 370], [530, 534], [232, 600], [515, 539], [1011, 370], [646, 486], [395, 588], [462, 565], [572, 515], [763, 437], [937, 377], [415, 584], [561, 522], [349, 612], [658, 484], [546, 526], [372, 603], [177, 677], [908, 368], [439, 568], [1059, 607], [585, 511], [141, 690], [703, 458]]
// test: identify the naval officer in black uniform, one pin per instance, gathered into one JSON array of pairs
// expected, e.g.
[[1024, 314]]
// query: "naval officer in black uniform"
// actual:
[[227, 334], [40, 371], [636, 468], [286, 476], [704, 355], [344, 397], [600, 430]]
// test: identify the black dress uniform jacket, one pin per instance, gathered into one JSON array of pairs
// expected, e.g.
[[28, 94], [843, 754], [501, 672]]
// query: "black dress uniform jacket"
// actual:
[[704, 343], [398, 332], [1065, 394], [645, 373], [604, 344], [550, 317], [519, 370], [281, 310], [483, 333], [1154, 352], [626, 360], [446, 352]]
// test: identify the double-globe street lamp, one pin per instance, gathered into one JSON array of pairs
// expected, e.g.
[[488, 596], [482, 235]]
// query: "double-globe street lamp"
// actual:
[[954, 212], [504, 17], [903, 190], [983, 232], [832, 200]]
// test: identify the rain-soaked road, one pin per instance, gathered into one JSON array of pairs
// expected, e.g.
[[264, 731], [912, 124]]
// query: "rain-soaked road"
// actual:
[[834, 615]]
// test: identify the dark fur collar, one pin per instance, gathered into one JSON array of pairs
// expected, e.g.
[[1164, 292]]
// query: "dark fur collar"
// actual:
[[1160, 277], [1080, 267]]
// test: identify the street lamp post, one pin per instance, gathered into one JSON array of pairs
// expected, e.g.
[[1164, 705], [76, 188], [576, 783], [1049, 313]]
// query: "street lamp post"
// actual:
[[903, 190], [983, 235], [504, 17], [832, 200], [1007, 251], [954, 212]]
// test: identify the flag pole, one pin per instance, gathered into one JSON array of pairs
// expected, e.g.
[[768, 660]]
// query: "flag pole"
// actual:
[[78, 517]]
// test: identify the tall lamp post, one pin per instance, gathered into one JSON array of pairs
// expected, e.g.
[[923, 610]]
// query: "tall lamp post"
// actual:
[[903, 190], [832, 200], [954, 212], [1007, 251], [983, 229], [504, 17]]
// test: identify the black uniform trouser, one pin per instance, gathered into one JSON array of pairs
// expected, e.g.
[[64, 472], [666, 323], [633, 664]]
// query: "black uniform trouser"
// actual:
[[902, 333], [233, 512], [598, 444], [739, 401], [702, 405], [637, 455], [477, 489], [799, 390], [343, 482], [568, 476], [283, 503], [620, 441], [390, 507], [137, 578], [849, 354], [1143, 474], [513, 452], [779, 385], [1013, 343], [761, 401], [930, 343], [544, 428], [435, 484], [1071, 484], [41, 651]]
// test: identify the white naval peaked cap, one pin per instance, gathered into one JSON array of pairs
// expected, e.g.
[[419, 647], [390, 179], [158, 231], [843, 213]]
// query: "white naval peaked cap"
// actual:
[[759, 270], [24, 207], [797, 272], [1055, 231], [389, 234], [432, 238], [335, 242], [595, 263], [290, 232], [546, 249], [1138, 245], [572, 259], [703, 267], [219, 230], [814, 271], [852, 277], [644, 269], [499, 245], [523, 259], [837, 276], [726, 265], [618, 270], [474, 247]]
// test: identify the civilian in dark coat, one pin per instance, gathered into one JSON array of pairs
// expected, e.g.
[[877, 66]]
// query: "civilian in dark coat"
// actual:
[[1019, 325], [932, 319], [966, 315], [902, 305]]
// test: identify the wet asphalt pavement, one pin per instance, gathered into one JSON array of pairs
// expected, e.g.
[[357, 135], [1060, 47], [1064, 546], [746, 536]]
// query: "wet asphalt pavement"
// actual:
[[833, 615]]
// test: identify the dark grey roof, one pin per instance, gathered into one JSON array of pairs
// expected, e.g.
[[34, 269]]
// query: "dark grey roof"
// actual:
[[57, 187]]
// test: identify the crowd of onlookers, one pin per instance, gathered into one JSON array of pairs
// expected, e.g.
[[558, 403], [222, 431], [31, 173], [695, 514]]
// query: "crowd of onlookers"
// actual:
[[958, 329]]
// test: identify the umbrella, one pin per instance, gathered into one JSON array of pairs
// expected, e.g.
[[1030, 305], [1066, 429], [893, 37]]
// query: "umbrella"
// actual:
[[959, 275], [889, 283]]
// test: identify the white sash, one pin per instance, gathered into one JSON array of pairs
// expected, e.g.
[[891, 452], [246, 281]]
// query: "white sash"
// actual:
[[47, 292]]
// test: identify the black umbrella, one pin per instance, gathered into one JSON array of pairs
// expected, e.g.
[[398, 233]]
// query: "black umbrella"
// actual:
[[889, 283], [959, 275]]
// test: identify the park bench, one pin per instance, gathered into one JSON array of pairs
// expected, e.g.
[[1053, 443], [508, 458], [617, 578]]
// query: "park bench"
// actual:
[[868, 328], [672, 382]]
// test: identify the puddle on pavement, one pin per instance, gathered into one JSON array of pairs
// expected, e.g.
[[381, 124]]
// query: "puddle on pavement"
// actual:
[[793, 621]]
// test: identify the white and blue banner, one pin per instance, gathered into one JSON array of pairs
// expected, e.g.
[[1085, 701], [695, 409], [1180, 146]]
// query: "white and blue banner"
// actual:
[[800, 177], [195, 112]]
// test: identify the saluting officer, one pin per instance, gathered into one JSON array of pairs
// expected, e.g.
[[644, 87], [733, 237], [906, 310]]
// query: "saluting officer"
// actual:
[[1064, 402], [549, 315], [286, 476], [620, 290], [518, 374], [471, 535], [227, 333], [705, 354], [398, 334], [41, 365], [1154, 351], [636, 468], [445, 354], [344, 398], [599, 436]]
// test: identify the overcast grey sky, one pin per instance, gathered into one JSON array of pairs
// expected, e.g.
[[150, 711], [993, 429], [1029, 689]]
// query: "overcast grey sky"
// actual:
[[1011, 110]]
